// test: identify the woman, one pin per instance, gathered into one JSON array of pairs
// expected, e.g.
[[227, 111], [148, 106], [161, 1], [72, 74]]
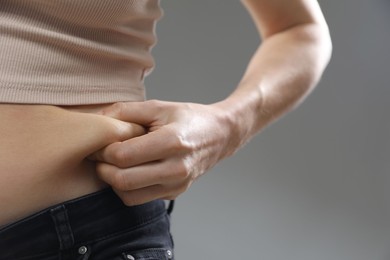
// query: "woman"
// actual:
[[62, 66]]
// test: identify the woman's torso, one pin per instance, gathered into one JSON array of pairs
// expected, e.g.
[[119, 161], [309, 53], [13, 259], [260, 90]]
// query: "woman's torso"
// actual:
[[43, 154], [67, 54]]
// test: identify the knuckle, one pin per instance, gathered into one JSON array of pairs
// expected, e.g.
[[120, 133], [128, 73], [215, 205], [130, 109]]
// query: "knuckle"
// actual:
[[101, 168], [157, 105], [119, 156], [112, 176], [117, 108], [113, 109], [181, 171], [181, 189], [118, 180], [105, 171], [154, 103], [179, 143], [136, 129], [123, 130]]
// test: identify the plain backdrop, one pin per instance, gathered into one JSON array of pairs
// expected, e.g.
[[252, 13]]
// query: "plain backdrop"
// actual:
[[314, 185]]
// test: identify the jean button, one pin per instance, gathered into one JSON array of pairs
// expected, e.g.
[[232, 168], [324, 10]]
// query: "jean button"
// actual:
[[169, 253], [130, 257], [83, 250]]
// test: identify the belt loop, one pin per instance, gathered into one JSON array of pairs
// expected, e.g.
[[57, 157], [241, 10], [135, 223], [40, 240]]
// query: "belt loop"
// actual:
[[170, 207], [64, 231]]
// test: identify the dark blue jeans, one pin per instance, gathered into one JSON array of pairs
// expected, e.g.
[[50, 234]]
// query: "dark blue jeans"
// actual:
[[96, 226]]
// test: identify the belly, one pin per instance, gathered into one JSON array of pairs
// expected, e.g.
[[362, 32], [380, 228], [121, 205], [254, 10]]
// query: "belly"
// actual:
[[43, 154]]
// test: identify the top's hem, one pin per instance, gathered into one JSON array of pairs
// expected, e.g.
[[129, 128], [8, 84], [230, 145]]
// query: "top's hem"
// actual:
[[87, 95]]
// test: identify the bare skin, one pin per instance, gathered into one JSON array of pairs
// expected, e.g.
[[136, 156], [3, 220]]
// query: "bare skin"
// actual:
[[185, 140], [43, 149], [43, 154]]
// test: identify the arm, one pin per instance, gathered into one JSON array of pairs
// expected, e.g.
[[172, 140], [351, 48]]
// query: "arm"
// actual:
[[186, 139], [287, 65]]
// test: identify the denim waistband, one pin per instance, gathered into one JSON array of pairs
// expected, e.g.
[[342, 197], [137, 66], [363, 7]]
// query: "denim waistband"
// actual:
[[85, 219]]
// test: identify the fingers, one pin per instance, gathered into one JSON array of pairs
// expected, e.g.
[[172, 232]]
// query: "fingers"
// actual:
[[124, 130], [138, 112], [144, 195], [144, 183], [150, 166], [165, 172], [127, 131], [118, 131], [151, 147]]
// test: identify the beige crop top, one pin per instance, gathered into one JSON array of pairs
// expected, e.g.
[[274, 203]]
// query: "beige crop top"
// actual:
[[72, 52]]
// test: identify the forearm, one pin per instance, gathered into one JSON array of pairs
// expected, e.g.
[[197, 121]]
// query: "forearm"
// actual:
[[184, 140], [281, 73]]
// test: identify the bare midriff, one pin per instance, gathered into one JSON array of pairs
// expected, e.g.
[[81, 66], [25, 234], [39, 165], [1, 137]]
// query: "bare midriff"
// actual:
[[43, 154]]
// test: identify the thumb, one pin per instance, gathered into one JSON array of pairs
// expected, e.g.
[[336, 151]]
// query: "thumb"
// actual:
[[143, 113]]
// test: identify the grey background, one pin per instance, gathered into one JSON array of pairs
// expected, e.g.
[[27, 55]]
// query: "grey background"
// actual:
[[314, 185]]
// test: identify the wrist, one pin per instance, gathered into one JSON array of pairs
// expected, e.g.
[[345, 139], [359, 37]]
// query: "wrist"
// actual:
[[240, 113]]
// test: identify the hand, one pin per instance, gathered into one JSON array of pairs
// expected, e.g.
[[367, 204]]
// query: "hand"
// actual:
[[183, 141]]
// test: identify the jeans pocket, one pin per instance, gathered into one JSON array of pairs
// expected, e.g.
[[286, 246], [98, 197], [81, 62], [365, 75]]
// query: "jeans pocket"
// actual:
[[149, 254]]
